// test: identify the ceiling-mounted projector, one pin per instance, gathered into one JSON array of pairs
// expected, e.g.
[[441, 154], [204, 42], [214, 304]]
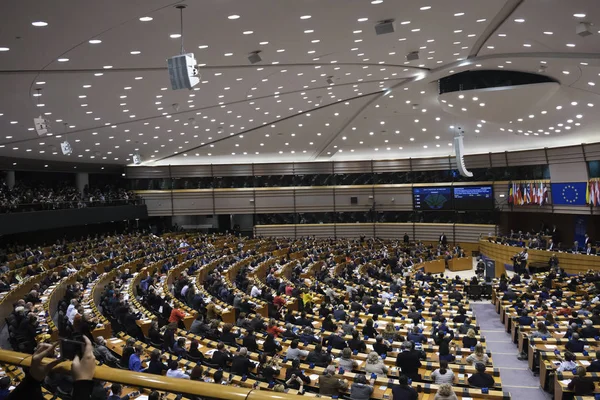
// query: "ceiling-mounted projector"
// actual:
[[183, 71], [66, 148], [137, 158], [42, 125]]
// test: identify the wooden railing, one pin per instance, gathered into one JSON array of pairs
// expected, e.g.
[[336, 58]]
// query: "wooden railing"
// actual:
[[156, 382]]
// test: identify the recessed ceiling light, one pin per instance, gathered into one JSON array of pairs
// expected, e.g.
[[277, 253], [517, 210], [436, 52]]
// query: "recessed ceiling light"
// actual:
[[570, 45], [263, 43], [175, 35], [98, 74], [39, 23], [363, 19], [280, 50], [62, 60], [404, 22], [95, 41], [228, 54], [305, 17], [135, 52], [4, 48], [203, 46], [460, 14], [146, 19], [234, 16], [579, 15], [548, 33], [566, 72], [526, 45], [107, 67], [424, 8], [248, 32], [519, 20]]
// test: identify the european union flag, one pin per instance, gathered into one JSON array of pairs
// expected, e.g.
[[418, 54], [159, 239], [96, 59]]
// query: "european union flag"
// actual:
[[569, 194]]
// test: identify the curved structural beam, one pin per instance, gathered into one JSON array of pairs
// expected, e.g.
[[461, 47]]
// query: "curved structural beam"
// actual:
[[319, 152], [262, 126], [503, 15]]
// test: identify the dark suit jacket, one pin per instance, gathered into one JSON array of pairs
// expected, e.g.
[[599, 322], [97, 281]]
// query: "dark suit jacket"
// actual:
[[481, 380], [409, 363]]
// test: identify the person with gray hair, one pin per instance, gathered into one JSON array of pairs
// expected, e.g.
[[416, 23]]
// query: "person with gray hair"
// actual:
[[589, 331], [102, 353], [345, 361], [331, 385], [241, 364], [375, 365], [575, 345]]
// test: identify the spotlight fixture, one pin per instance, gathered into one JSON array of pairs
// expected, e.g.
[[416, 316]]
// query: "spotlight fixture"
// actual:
[[542, 69], [412, 56], [584, 29], [254, 57], [330, 80], [385, 27]]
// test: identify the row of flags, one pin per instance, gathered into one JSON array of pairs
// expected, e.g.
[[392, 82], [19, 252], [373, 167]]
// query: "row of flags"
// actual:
[[592, 194], [527, 193]]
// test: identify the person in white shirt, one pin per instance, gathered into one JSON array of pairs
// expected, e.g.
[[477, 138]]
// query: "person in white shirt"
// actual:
[[174, 372], [255, 292], [72, 310], [568, 363]]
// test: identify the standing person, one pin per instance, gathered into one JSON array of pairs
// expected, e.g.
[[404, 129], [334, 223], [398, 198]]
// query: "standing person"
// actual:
[[408, 362]]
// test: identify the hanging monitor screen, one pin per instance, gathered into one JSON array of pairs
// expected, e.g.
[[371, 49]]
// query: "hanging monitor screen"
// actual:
[[473, 198], [432, 198]]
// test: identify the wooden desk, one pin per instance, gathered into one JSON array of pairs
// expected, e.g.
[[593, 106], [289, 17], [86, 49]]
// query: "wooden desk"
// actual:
[[572, 263], [460, 264], [435, 267]]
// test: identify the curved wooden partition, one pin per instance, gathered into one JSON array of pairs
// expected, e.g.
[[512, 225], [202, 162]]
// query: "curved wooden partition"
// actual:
[[572, 263]]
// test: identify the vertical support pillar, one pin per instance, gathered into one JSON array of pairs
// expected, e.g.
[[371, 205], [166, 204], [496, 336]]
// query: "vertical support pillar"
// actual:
[[82, 179], [10, 179]]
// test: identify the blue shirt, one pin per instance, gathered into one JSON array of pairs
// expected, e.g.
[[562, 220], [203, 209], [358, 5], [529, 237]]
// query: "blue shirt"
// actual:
[[135, 364]]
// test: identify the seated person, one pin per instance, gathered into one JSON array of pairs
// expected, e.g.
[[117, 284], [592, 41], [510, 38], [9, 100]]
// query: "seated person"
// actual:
[[582, 385], [480, 379]]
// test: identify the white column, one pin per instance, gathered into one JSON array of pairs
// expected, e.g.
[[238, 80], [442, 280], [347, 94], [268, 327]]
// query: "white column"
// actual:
[[10, 179], [81, 179]]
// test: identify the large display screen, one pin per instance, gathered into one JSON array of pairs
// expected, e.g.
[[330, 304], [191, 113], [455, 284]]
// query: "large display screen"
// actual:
[[432, 198], [473, 198]]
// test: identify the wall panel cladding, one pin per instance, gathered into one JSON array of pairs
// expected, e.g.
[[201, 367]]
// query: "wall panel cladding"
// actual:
[[274, 200], [498, 160], [308, 168], [529, 157], [423, 232], [158, 202], [314, 199], [476, 161], [232, 170], [343, 196], [146, 172], [317, 230], [274, 169], [592, 152], [432, 232], [191, 171], [198, 202], [236, 201], [352, 167], [565, 155], [393, 231], [393, 198], [391, 166], [431, 164]]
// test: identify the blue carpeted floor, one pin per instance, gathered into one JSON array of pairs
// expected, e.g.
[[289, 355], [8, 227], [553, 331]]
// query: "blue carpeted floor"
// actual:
[[516, 377]]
